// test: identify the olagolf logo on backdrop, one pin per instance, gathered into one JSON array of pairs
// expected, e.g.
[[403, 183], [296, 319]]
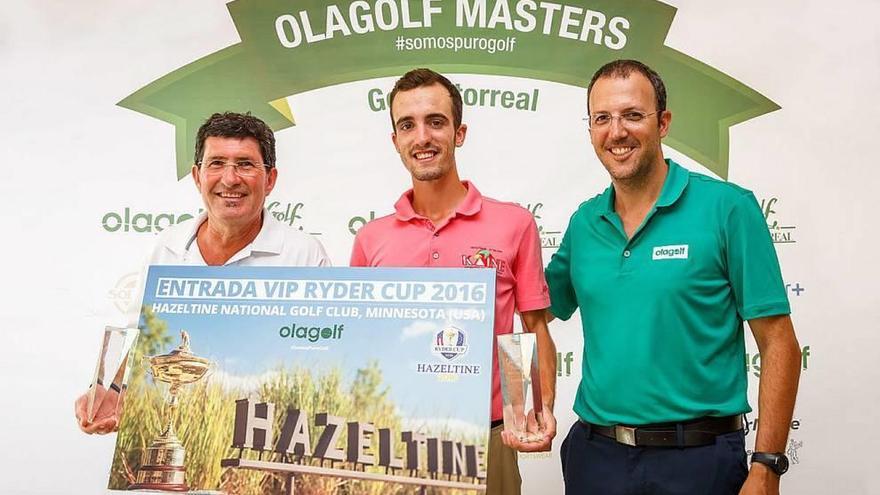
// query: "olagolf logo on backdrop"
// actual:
[[550, 238], [753, 361], [129, 219], [290, 213], [780, 232], [291, 47]]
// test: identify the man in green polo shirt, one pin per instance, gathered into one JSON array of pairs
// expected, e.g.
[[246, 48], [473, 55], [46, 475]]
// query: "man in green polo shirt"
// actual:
[[666, 264]]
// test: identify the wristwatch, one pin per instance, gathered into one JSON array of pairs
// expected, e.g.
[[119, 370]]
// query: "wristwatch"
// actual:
[[776, 461]]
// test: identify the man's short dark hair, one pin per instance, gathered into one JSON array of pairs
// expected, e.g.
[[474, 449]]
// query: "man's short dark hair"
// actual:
[[237, 125], [622, 69], [418, 78]]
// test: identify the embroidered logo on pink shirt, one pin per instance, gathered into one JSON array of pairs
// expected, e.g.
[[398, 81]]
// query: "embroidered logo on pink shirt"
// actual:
[[483, 258]]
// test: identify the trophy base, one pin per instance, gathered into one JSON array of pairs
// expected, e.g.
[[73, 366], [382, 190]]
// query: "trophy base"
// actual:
[[164, 478], [159, 487]]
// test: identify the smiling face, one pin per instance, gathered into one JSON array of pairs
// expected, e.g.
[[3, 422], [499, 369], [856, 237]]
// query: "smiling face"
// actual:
[[232, 201], [424, 132], [628, 150]]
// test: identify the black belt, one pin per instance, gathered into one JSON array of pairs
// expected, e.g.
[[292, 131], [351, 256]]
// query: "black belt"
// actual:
[[694, 433], [497, 422]]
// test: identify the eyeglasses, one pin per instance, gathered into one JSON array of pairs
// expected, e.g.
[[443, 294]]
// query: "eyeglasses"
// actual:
[[629, 119], [242, 168]]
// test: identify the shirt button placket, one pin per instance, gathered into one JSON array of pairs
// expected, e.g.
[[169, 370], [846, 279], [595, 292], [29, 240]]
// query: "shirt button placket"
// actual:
[[435, 255], [625, 261]]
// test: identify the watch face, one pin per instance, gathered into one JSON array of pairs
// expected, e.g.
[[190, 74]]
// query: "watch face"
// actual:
[[782, 464]]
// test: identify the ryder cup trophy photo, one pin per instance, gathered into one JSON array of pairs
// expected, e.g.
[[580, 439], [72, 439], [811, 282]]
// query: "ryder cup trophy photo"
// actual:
[[521, 386], [162, 463]]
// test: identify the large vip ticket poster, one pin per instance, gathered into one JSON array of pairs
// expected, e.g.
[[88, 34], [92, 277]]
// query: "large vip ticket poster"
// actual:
[[263, 380]]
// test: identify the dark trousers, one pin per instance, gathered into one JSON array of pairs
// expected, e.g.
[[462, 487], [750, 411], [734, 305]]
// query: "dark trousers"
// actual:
[[593, 464]]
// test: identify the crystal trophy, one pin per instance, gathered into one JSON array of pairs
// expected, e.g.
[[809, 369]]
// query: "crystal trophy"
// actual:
[[521, 386], [162, 466], [111, 371]]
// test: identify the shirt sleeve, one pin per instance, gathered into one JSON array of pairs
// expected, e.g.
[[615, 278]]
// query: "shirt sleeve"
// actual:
[[358, 256], [752, 264], [563, 300], [321, 255], [531, 289]]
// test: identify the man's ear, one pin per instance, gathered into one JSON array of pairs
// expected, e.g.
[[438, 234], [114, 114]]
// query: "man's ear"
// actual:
[[665, 120], [460, 134], [271, 178], [196, 178]]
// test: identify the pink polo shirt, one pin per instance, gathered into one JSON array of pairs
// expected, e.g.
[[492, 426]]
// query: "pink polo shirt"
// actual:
[[505, 230]]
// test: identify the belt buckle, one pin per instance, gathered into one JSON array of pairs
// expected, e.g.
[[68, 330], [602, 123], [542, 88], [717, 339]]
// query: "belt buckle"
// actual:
[[625, 435]]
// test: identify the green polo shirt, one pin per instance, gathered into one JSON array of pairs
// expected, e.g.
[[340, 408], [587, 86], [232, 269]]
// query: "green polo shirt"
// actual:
[[663, 312]]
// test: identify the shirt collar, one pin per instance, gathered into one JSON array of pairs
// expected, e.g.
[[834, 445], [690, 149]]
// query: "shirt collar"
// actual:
[[470, 205], [673, 186], [270, 239]]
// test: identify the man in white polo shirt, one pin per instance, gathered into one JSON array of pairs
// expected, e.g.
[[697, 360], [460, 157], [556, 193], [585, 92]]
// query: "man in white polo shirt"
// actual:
[[234, 171]]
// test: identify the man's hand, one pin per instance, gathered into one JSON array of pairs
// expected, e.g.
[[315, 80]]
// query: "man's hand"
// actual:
[[761, 481], [548, 432], [108, 404]]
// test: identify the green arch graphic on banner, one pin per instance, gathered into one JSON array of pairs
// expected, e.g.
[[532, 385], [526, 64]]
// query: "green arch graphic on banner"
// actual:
[[289, 47]]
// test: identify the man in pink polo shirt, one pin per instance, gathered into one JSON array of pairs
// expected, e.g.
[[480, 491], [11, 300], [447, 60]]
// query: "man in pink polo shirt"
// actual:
[[444, 222]]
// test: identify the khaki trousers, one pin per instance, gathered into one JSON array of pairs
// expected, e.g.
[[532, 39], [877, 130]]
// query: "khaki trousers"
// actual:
[[502, 473]]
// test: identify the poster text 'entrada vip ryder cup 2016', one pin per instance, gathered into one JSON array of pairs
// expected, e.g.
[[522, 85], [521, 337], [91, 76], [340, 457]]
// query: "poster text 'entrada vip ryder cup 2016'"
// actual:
[[249, 379]]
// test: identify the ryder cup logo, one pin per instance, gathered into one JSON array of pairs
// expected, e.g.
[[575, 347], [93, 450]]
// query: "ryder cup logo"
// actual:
[[450, 343]]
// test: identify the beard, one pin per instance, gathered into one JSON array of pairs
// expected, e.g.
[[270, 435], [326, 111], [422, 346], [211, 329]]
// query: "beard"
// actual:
[[428, 174]]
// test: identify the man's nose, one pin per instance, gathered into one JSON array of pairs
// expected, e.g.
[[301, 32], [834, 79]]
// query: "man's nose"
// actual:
[[423, 134], [230, 175], [616, 129]]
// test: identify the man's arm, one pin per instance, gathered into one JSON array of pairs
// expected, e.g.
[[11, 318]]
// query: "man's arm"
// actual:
[[780, 372], [536, 322]]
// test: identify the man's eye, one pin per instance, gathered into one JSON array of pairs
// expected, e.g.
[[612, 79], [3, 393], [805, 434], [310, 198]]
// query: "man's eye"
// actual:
[[633, 116], [601, 119], [405, 126], [216, 164], [245, 165], [437, 123]]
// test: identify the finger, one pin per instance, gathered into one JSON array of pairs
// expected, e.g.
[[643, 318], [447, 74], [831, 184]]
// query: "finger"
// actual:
[[542, 446], [102, 427], [79, 409], [510, 440], [506, 439]]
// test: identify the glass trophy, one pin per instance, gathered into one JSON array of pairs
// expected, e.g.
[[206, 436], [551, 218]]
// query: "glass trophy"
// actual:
[[521, 386], [111, 371]]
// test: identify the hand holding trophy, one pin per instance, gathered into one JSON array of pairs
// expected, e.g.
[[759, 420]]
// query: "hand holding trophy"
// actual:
[[529, 425], [97, 410]]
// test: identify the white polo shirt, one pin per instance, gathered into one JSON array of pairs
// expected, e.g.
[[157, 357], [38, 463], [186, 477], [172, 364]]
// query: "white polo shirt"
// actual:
[[277, 244]]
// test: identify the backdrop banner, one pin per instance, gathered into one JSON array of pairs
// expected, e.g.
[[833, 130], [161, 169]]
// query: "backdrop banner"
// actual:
[[103, 100]]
